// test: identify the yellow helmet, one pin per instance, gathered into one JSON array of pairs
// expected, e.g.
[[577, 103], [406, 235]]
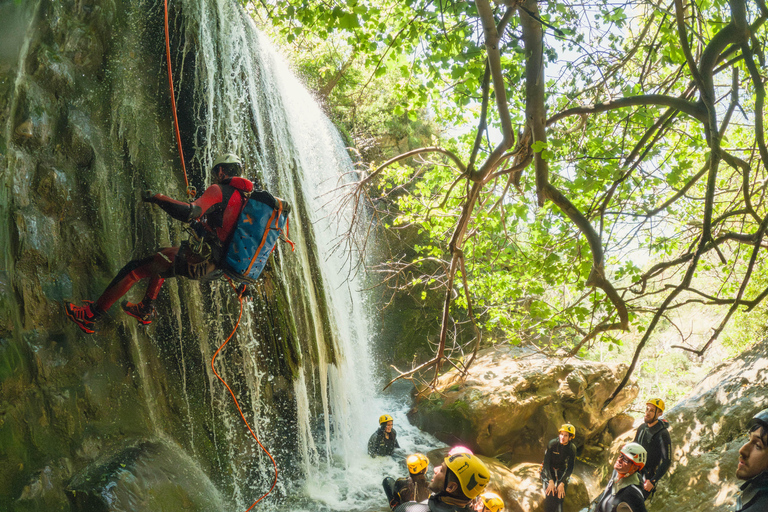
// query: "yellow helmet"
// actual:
[[417, 463], [658, 402], [471, 472], [385, 418], [492, 501], [567, 427]]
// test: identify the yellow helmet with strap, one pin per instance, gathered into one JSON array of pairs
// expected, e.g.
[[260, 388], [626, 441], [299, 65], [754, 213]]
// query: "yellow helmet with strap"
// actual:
[[492, 501], [384, 418], [567, 427], [417, 463], [470, 471], [658, 402]]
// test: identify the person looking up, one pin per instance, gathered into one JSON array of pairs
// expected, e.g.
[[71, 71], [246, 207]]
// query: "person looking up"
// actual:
[[559, 458], [214, 215], [624, 492], [456, 482], [753, 467], [384, 441], [459, 449], [489, 502], [413, 488], [654, 437]]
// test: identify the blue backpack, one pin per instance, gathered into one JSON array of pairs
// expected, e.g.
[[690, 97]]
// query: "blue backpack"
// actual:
[[258, 228]]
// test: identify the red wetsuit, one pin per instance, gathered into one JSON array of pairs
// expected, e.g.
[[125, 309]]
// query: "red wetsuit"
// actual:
[[216, 212]]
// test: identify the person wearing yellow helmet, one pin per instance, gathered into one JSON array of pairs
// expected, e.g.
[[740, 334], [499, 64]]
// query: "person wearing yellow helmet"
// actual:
[[384, 441], [559, 458], [655, 438], [411, 488], [624, 491], [457, 481], [489, 502]]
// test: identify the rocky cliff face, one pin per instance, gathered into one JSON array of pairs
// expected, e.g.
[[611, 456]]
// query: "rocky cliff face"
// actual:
[[86, 125], [707, 429]]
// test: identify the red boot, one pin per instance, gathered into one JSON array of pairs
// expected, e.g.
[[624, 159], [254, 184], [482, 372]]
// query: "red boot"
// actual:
[[85, 317], [141, 312]]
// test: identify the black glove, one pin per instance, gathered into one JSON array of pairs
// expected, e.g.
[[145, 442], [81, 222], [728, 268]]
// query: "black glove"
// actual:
[[148, 196]]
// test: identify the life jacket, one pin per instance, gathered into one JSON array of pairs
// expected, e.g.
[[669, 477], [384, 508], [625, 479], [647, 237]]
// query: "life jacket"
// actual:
[[261, 220]]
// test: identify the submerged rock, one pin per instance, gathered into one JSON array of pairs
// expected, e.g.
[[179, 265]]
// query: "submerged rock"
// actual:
[[511, 404], [150, 476]]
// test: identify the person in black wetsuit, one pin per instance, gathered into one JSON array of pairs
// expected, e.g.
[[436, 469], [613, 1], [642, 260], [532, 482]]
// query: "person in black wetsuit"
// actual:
[[753, 467], [412, 488], [557, 467], [654, 437], [384, 441], [215, 215], [624, 492], [456, 482]]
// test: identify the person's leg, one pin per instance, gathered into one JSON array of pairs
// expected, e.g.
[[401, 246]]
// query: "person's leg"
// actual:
[[133, 272], [159, 267], [389, 487]]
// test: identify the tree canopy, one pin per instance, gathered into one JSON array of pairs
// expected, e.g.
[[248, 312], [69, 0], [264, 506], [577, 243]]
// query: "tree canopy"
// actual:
[[607, 164]]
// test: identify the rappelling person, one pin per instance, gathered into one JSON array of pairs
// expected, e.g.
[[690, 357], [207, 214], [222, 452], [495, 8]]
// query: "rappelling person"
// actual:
[[654, 437], [557, 467], [213, 217], [624, 492], [753, 467], [489, 502], [412, 488], [457, 481], [384, 441]]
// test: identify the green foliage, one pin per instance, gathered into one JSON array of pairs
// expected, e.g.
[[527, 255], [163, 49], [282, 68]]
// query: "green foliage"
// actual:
[[634, 172]]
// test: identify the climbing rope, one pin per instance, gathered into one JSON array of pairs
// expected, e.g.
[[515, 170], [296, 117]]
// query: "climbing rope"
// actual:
[[213, 367], [191, 191]]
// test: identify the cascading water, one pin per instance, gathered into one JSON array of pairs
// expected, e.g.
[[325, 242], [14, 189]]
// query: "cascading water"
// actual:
[[117, 416], [307, 167]]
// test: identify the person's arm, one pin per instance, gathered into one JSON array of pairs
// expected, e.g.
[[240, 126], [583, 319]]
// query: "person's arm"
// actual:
[[394, 438], [569, 462], [665, 450], [185, 212], [546, 467], [373, 443]]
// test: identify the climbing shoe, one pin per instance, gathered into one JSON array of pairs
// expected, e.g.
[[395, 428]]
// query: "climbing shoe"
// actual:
[[85, 317], [141, 312]]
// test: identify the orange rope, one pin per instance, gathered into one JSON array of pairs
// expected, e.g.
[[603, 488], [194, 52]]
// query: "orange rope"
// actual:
[[190, 190], [213, 360]]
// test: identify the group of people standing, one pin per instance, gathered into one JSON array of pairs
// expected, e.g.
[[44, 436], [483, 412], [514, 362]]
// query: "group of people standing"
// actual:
[[459, 482], [636, 471]]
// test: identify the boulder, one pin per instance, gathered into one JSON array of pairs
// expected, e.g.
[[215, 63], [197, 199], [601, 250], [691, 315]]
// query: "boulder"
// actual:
[[512, 403], [151, 476]]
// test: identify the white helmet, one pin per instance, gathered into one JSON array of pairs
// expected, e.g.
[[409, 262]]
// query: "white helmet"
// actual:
[[227, 158], [636, 453], [235, 166]]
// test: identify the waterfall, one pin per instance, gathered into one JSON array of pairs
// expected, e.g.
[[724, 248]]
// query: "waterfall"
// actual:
[[251, 103], [88, 127]]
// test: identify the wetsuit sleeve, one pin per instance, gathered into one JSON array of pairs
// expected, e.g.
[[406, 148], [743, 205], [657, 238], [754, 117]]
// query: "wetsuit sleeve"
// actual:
[[665, 450], [394, 435], [373, 443], [546, 467], [570, 460], [212, 196], [179, 210]]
